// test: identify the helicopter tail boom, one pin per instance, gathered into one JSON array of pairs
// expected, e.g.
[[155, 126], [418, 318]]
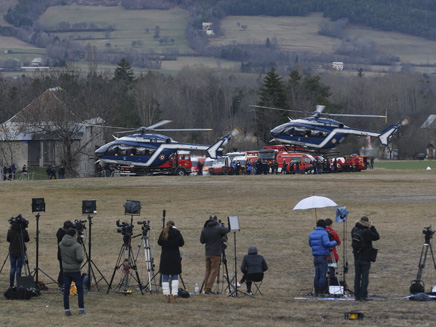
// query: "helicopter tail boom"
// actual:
[[387, 133]]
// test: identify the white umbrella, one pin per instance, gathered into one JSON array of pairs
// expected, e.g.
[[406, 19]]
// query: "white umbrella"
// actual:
[[314, 202]]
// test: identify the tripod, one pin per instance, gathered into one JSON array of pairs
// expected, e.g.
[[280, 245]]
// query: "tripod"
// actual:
[[149, 261], [89, 262], [418, 284], [126, 265], [37, 269], [235, 277]]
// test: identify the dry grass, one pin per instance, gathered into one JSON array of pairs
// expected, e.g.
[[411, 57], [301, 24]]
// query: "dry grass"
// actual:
[[301, 34], [399, 203]]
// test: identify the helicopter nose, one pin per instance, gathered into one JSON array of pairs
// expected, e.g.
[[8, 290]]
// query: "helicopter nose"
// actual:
[[100, 151]]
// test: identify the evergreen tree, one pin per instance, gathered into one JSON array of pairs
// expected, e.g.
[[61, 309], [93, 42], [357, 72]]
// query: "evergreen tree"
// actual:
[[123, 72], [271, 94]]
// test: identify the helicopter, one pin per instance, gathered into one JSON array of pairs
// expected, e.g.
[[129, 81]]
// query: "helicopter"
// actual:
[[321, 133], [154, 152]]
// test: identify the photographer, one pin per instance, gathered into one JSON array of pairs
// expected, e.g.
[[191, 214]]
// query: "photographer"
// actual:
[[72, 257], [212, 236], [363, 233], [17, 236], [60, 235], [170, 239]]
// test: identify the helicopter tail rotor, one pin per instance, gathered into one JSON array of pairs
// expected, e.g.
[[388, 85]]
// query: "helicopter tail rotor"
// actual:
[[405, 121]]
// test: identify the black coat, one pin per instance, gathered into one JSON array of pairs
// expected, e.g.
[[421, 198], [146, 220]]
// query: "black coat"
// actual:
[[60, 235], [368, 235], [17, 238], [253, 263], [212, 236], [170, 259]]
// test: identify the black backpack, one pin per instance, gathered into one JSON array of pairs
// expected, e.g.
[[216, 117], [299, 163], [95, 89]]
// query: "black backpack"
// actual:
[[357, 241]]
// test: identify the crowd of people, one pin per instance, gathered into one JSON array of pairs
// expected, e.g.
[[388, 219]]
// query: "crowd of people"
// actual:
[[323, 241]]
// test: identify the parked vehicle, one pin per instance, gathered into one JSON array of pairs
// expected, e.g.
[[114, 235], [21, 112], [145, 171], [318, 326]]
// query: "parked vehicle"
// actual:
[[220, 166], [304, 160]]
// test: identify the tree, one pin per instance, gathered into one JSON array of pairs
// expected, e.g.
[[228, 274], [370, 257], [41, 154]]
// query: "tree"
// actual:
[[271, 94], [123, 72]]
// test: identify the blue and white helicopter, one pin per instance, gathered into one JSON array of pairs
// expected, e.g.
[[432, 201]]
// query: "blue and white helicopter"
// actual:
[[321, 133], [150, 151]]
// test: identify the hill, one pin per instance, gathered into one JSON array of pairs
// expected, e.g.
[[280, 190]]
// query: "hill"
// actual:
[[301, 34]]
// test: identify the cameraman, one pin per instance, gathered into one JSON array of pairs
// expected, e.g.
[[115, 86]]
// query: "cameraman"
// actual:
[[17, 236], [362, 256], [212, 236], [60, 235], [72, 257]]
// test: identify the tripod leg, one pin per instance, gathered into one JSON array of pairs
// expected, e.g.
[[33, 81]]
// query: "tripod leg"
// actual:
[[117, 266]]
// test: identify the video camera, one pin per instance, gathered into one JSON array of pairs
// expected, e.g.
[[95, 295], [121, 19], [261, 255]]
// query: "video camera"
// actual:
[[19, 221], [124, 228], [79, 225], [428, 233], [145, 226]]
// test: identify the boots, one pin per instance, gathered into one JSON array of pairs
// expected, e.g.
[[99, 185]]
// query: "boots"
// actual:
[[166, 291], [174, 290]]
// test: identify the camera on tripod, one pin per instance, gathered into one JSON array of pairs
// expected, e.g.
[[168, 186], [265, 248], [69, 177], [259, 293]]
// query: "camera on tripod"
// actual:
[[124, 228], [19, 221], [79, 225], [145, 225], [428, 232]]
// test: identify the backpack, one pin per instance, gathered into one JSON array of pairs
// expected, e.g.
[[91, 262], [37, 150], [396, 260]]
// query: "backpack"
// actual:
[[357, 241]]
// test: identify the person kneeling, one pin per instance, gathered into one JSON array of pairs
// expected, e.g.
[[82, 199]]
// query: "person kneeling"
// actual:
[[253, 266]]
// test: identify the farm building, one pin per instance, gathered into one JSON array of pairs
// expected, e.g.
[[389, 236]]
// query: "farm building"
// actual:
[[338, 65], [46, 132]]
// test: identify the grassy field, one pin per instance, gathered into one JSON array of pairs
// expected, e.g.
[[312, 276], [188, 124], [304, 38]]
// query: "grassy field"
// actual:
[[301, 34], [400, 203], [406, 164], [130, 26]]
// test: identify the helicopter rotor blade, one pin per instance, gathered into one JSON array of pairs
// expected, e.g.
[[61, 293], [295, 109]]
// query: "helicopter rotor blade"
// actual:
[[273, 108], [355, 115], [163, 122], [183, 130]]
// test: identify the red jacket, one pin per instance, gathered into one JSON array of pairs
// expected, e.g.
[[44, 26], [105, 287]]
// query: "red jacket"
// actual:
[[337, 239]]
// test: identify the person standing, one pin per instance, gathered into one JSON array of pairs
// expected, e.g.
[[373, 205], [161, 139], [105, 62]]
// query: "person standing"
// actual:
[[320, 244], [72, 257], [366, 233], [60, 235], [212, 236], [61, 172], [170, 239], [333, 237], [17, 237]]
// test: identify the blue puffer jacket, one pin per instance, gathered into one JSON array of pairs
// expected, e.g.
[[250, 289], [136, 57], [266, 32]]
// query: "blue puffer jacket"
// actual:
[[319, 241]]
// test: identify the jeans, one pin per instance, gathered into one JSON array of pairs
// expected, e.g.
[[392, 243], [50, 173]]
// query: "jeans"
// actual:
[[77, 279], [166, 278], [321, 264], [16, 266], [361, 279]]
